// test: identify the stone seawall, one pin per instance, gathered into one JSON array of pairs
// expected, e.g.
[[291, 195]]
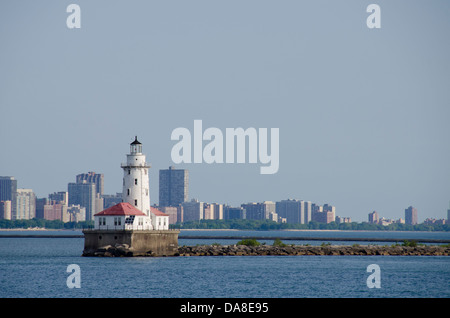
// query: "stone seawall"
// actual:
[[243, 250], [124, 250]]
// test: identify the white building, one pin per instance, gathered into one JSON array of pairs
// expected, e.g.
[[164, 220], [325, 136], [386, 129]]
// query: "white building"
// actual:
[[25, 205], [122, 216], [135, 179], [160, 220]]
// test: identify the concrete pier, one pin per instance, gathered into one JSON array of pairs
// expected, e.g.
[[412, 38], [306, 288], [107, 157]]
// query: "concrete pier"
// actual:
[[130, 242]]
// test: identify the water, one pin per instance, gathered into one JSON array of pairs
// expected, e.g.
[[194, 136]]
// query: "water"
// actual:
[[36, 267]]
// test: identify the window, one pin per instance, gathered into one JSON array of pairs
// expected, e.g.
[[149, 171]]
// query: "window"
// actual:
[[128, 191], [129, 171], [115, 221], [135, 202], [135, 181], [140, 221]]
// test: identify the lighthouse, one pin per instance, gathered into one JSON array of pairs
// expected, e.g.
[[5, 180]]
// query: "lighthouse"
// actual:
[[135, 179], [132, 227]]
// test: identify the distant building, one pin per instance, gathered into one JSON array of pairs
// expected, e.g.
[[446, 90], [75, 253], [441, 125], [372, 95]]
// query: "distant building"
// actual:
[[171, 211], [62, 196], [40, 203], [83, 194], [374, 217], [411, 216], [230, 213], [55, 210], [5, 210], [92, 177], [259, 211], [212, 211], [432, 221], [110, 200], [75, 213], [308, 211], [343, 219], [192, 210], [292, 210], [8, 191], [25, 205], [323, 214], [173, 186]]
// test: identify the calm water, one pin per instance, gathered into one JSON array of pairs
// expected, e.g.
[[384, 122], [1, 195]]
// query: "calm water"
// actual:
[[31, 267]]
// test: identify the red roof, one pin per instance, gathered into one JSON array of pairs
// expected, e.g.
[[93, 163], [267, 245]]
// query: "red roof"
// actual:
[[123, 208], [157, 212]]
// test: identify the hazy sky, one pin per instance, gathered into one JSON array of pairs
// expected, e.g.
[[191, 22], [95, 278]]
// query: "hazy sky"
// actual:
[[363, 114]]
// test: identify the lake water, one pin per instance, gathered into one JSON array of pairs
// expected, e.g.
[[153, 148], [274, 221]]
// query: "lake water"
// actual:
[[36, 267]]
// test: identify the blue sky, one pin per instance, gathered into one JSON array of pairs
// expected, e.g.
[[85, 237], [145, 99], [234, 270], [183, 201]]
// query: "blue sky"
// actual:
[[363, 113]]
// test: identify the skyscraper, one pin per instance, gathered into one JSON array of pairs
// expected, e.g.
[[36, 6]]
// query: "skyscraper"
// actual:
[[92, 177], [411, 215], [259, 211], [83, 194], [25, 205], [173, 186], [374, 217], [8, 191], [292, 210]]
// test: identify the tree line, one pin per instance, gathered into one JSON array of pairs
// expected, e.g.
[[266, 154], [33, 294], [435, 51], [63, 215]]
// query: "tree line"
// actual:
[[240, 224], [42, 223], [236, 224]]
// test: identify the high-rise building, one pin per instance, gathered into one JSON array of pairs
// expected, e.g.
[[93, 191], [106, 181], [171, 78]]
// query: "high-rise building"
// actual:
[[173, 186], [259, 211], [230, 213], [25, 205], [308, 211], [411, 216], [448, 215], [40, 203], [55, 210], [292, 210], [8, 191], [61, 196], [323, 214], [83, 194], [110, 200], [192, 210], [75, 213], [5, 210], [374, 217], [92, 177]]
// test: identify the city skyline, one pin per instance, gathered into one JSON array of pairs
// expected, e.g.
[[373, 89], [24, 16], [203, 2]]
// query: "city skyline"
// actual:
[[306, 209], [362, 113]]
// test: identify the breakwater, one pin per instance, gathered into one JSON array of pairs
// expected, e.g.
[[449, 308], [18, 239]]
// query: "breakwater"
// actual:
[[243, 250], [264, 250]]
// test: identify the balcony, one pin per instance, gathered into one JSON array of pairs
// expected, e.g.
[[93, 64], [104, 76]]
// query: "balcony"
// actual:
[[141, 165]]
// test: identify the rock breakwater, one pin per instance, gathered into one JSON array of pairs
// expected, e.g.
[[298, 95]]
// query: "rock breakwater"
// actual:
[[243, 250], [123, 250]]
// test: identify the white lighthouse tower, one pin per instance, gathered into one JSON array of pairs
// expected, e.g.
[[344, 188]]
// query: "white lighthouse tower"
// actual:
[[135, 179], [132, 227]]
